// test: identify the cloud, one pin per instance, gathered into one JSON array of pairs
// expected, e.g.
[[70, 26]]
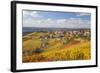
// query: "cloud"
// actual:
[[57, 23], [35, 19], [84, 14], [31, 14]]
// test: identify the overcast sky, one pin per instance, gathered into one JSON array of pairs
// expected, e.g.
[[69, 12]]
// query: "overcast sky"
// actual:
[[56, 19]]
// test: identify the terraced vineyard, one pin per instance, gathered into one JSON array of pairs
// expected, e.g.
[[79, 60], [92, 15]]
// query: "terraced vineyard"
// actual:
[[56, 46]]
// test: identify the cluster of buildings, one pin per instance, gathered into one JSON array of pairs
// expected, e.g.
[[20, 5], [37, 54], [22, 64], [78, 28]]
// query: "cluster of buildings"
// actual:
[[67, 34], [64, 36]]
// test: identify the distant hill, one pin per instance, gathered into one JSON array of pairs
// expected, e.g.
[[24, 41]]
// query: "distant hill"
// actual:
[[32, 29]]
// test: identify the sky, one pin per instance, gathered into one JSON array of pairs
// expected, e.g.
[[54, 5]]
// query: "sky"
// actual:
[[53, 19]]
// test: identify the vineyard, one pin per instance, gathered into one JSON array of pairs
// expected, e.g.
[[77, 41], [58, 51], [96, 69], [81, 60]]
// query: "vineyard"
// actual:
[[56, 46]]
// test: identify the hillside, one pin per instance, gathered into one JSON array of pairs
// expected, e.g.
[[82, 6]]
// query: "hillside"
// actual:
[[41, 47]]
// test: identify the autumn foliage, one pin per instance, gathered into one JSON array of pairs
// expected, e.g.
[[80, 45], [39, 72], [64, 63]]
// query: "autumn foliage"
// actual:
[[56, 46]]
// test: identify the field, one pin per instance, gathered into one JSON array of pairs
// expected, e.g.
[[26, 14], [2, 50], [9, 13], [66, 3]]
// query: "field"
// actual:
[[56, 46]]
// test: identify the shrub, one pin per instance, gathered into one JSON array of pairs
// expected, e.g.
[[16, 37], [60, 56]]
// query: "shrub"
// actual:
[[38, 50]]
